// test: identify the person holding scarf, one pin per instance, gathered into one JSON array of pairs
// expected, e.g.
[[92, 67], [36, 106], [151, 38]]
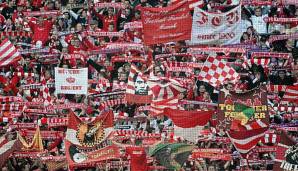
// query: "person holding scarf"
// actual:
[[111, 18]]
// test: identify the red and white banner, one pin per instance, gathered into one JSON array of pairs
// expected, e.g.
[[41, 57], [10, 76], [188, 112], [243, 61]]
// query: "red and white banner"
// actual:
[[8, 53], [137, 90], [217, 72], [169, 24], [133, 25], [15, 33], [77, 157], [274, 38], [5, 99], [108, 5], [71, 81], [211, 153], [49, 135], [102, 34], [280, 20], [41, 13], [220, 28], [23, 126]]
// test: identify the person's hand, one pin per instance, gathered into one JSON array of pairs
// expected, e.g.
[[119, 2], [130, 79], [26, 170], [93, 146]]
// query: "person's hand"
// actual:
[[195, 87]]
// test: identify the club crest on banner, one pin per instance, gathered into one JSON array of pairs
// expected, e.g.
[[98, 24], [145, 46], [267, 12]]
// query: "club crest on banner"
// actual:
[[214, 28], [90, 134]]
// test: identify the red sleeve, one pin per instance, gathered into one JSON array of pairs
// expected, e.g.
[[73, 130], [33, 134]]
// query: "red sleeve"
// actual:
[[129, 36], [119, 14], [14, 16], [70, 48], [2, 19], [138, 7], [150, 58], [14, 81], [31, 25], [190, 95], [4, 4], [88, 44], [98, 15], [49, 24], [68, 38], [3, 80]]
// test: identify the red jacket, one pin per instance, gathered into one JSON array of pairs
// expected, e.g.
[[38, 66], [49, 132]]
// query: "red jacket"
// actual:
[[41, 32], [106, 20]]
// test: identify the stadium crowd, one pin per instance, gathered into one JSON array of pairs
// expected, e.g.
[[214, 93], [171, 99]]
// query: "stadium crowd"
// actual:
[[61, 39]]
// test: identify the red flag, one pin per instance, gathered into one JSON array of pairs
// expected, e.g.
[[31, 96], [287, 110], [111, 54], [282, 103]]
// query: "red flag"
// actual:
[[246, 140], [188, 119], [89, 134], [188, 124], [165, 88], [157, 107], [172, 23], [8, 53]]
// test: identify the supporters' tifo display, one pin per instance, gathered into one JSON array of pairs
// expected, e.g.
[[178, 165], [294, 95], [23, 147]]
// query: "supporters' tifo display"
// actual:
[[181, 85]]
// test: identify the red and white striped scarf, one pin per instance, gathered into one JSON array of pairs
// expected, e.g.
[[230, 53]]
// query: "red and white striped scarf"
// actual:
[[45, 91], [36, 86], [105, 5], [289, 109], [42, 13], [6, 99], [133, 25], [112, 102], [280, 20], [157, 107], [276, 88], [24, 74], [269, 138], [270, 55], [5, 119], [258, 61], [291, 95], [135, 133], [11, 107], [15, 33], [274, 38]]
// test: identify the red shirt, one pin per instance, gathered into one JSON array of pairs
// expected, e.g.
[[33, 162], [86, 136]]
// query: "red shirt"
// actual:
[[41, 32], [106, 20], [2, 19], [36, 3]]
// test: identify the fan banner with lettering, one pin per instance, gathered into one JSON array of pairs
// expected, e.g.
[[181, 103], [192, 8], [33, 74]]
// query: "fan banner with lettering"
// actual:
[[244, 107], [216, 28], [81, 157], [169, 24], [71, 81]]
